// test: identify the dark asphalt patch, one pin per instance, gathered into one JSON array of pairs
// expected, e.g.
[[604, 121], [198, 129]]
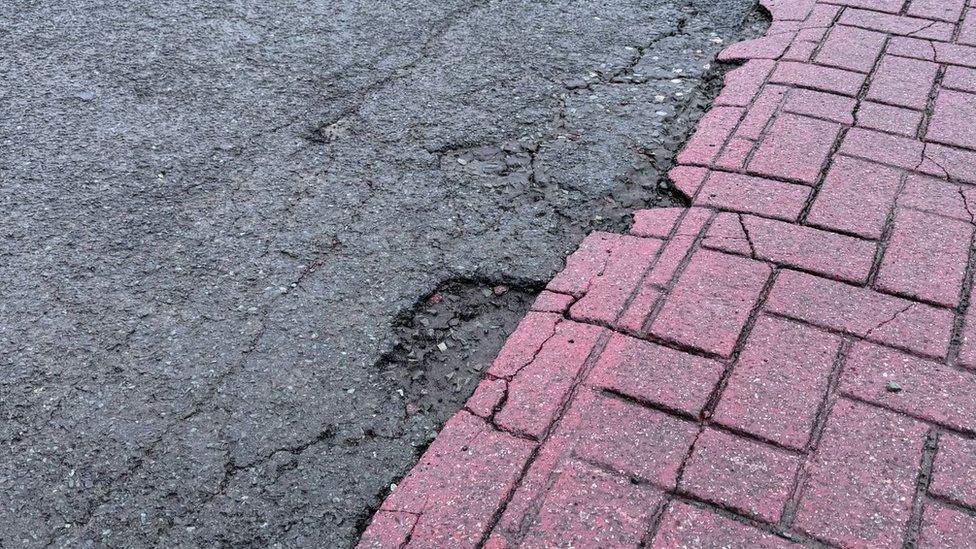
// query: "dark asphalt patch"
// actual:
[[215, 213], [448, 340]]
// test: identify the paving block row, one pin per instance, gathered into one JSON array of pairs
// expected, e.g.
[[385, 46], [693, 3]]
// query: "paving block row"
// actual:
[[788, 361]]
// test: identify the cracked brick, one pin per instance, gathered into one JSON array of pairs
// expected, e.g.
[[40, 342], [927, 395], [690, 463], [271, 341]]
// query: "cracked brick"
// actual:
[[587, 507], [539, 389], [858, 311], [636, 441], [652, 373], [467, 457]]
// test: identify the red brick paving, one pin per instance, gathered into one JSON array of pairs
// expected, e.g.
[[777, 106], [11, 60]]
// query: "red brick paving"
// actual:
[[790, 361]]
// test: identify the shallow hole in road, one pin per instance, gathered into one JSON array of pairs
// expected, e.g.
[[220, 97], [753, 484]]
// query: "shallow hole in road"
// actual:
[[448, 339]]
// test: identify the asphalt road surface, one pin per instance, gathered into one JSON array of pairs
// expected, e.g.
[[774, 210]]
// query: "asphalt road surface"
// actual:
[[234, 235]]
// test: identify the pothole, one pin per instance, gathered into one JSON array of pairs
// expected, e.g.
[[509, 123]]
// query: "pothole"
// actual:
[[448, 340]]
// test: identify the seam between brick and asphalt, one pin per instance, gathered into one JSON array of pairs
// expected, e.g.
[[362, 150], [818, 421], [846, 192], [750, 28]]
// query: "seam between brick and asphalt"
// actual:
[[791, 360]]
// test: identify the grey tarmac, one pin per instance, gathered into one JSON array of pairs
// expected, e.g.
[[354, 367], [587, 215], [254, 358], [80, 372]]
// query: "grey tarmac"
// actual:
[[236, 234]]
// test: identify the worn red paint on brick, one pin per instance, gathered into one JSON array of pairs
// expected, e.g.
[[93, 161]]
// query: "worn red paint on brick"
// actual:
[[950, 108]]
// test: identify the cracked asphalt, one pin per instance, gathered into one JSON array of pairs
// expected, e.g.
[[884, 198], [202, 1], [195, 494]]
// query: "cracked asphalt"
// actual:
[[215, 211]]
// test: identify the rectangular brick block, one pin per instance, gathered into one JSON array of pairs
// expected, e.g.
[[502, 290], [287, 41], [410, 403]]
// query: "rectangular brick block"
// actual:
[[954, 470], [467, 457], [795, 148], [951, 123], [539, 389], [898, 25], [752, 478], [711, 302], [856, 197], [932, 195], [862, 479], [926, 257], [911, 47], [821, 105], [830, 254], [652, 373], [686, 526], [943, 526], [903, 152], [888, 119], [903, 82], [955, 54], [923, 388], [819, 78], [877, 317], [712, 131], [960, 78], [743, 193], [587, 507], [967, 30], [779, 383], [942, 10], [636, 441], [610, 288], [851, 48]]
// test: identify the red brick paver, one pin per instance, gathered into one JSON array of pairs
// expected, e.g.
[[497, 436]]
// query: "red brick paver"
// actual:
[[790, 360]]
